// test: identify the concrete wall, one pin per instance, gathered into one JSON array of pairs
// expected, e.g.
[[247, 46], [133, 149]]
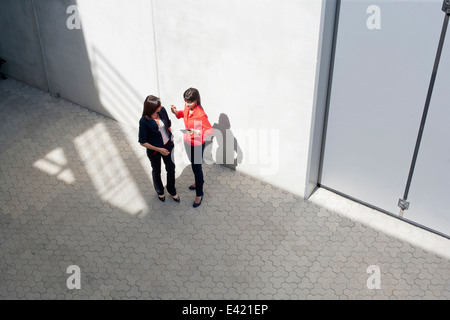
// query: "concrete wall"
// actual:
[[68, 67], [120, 43], [254, 62], [19, 43]]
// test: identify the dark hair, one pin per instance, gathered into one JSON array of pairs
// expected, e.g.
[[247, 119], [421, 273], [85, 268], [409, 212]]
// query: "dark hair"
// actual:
[[151, 103], [192, 95]]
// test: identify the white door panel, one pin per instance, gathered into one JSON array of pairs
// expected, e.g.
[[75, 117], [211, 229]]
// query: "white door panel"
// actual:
[[379, 86]]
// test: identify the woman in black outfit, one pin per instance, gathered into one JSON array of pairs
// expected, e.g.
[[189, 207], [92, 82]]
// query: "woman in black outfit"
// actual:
[[155, 135]]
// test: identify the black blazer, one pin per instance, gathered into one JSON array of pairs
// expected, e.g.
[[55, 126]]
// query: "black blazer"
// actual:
[[149, 130]]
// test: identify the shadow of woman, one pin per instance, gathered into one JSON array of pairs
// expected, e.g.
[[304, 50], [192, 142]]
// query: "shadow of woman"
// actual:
[[228, 152]]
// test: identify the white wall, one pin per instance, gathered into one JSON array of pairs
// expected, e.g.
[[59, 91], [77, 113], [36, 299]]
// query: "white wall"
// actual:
[[120, 44], [254, 61]]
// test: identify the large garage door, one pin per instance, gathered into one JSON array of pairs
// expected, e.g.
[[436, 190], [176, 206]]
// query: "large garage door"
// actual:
[[384, 56]]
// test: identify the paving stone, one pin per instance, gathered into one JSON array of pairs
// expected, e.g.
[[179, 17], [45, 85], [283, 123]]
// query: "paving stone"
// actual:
[[248, 240]]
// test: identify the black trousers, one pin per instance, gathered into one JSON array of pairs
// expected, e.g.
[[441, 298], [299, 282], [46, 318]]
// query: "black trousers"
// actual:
[[195, 155], [155, 160]]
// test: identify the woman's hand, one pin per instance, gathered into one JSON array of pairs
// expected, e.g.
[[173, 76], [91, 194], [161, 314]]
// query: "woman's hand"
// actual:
[[164, 151], [174, 109], [194, 131]]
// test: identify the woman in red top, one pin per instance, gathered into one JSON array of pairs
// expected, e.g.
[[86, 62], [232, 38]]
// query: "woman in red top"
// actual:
[[196, 120]]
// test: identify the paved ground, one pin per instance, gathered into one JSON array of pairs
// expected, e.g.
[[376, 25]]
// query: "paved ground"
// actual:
[[76, 190]]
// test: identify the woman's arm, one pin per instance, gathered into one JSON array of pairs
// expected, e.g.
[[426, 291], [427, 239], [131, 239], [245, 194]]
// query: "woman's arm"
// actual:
[[178, 114], [143, 134], [163, 151]]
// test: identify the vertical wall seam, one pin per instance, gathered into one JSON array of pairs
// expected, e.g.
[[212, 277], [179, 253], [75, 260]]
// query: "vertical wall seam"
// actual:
[[36, 27], [325, 63], [329, 88], [316, 102]]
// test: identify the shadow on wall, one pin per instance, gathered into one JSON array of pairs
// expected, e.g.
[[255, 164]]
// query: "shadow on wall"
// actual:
[[228, 152], [2, 76], [65, 54]]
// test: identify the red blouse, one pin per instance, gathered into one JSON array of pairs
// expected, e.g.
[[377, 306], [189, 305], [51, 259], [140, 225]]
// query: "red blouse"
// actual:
[[197, 120]]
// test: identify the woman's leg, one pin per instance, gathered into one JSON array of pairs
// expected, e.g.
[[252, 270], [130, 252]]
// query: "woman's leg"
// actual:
[[197, 160], [170, 169], [155, 160]]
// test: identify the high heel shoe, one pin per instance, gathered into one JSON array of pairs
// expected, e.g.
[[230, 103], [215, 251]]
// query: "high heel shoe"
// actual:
[[162, 198], [191, 187], [176, 199], [195, 205]]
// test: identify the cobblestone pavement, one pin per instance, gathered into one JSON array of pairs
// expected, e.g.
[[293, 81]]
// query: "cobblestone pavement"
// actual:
[[76, 190]]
